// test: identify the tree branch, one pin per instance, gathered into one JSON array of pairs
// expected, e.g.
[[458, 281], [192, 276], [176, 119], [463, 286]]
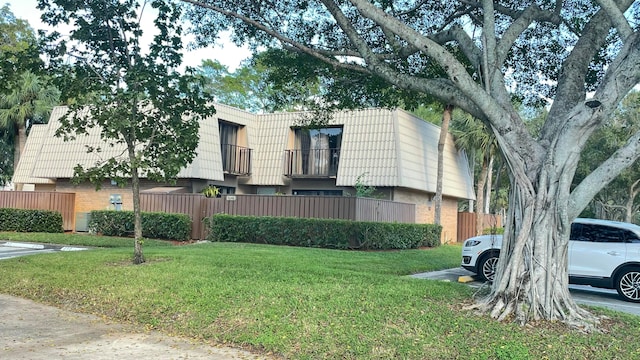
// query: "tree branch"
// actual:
[[283, 39], [489, 34], [617, 18], [455, 71], [456, 33], [570, 90], [519, 25], [621, 76], [603, 175], [442, 89]]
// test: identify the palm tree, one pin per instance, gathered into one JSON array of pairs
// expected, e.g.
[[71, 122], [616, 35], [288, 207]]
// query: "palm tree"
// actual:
[[29, 102], [472, 135]]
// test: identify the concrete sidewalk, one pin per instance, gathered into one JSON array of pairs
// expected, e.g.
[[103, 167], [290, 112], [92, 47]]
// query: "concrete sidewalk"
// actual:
[[32, 331], [451, 275]]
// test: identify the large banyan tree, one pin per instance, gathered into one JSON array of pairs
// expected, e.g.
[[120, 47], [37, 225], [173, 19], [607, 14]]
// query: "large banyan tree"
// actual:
[[580, 58]]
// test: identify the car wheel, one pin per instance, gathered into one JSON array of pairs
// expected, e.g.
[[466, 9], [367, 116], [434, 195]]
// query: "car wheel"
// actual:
[[628, 284], [488, 266]]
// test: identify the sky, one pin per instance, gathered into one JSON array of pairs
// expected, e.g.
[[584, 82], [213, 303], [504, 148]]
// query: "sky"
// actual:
[[225, 52]]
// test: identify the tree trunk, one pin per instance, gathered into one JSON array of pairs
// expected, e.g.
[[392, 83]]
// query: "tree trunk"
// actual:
[[18, 147], [138, 256], [634, 189], [473, 171], [482, 181], [532, 279], [444, 129], [487, 194]]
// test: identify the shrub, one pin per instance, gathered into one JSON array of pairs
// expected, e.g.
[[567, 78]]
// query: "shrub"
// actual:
[[493, 231], [155, 225], [23, 220], [324, 233]]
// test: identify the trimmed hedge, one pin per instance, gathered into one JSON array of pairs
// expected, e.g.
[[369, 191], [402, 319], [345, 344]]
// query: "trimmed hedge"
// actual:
[[494, 230], [23, 220], [322, 233], [155, 225]]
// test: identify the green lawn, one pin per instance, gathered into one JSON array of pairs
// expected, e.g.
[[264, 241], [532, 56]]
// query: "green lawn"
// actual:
[[299, 303]]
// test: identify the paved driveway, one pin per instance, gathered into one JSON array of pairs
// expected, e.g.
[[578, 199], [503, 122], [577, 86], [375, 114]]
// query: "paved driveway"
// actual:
[[582, 294]]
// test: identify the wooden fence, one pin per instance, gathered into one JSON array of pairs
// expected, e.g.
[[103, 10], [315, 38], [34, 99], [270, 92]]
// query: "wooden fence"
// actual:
[[199, 207], [326, 207], [467, 224], [55, 201]]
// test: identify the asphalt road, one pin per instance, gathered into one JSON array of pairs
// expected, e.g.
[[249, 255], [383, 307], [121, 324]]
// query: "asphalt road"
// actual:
[[582, 294]]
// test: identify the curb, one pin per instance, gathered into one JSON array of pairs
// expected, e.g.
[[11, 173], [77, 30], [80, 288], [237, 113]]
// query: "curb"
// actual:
[[24, 245], [41, 246]]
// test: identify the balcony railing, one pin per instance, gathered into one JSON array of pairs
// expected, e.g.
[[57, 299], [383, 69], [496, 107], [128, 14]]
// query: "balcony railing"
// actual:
[[236, 160], [311, 162]]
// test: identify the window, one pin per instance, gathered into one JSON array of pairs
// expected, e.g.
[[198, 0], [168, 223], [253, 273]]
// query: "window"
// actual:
[[597, 233], [317, 151], [235, 159], [228, 141], [317, 192], [227, 190]]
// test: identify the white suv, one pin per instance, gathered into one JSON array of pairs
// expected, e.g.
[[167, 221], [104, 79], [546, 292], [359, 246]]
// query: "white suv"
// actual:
[[602, 253]]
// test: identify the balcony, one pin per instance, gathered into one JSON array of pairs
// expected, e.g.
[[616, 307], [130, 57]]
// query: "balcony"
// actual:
[[317, 163], [236, 160]]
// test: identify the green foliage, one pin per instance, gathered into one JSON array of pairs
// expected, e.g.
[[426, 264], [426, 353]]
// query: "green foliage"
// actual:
[[323, 233], [362, 189], [138, 99], [154, 225], [6, 156], [19, 51], [623, 193], [431, 113], [493, 231], [135, 97], [339, 88], [25, 99], [512, 350], [28, 102], [211, 191], [30, 220]]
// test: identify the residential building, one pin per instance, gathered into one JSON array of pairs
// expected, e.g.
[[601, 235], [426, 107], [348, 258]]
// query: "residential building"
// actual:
[[244, 153]]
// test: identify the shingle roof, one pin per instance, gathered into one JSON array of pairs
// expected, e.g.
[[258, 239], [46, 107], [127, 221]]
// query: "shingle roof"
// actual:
[[389, 147]]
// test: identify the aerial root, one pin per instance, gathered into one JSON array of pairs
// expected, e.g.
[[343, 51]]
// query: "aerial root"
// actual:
[[571, 315]]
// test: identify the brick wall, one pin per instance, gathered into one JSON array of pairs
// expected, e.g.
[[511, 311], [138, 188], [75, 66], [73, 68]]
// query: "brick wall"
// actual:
[[87, 198], [425, 211]]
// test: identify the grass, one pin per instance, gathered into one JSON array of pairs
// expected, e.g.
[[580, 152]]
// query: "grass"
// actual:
[[300, 303], [77, 239]]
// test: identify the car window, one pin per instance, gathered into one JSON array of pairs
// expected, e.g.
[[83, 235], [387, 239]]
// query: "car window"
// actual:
[[631, 237], [601, 233], [576, 232]]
